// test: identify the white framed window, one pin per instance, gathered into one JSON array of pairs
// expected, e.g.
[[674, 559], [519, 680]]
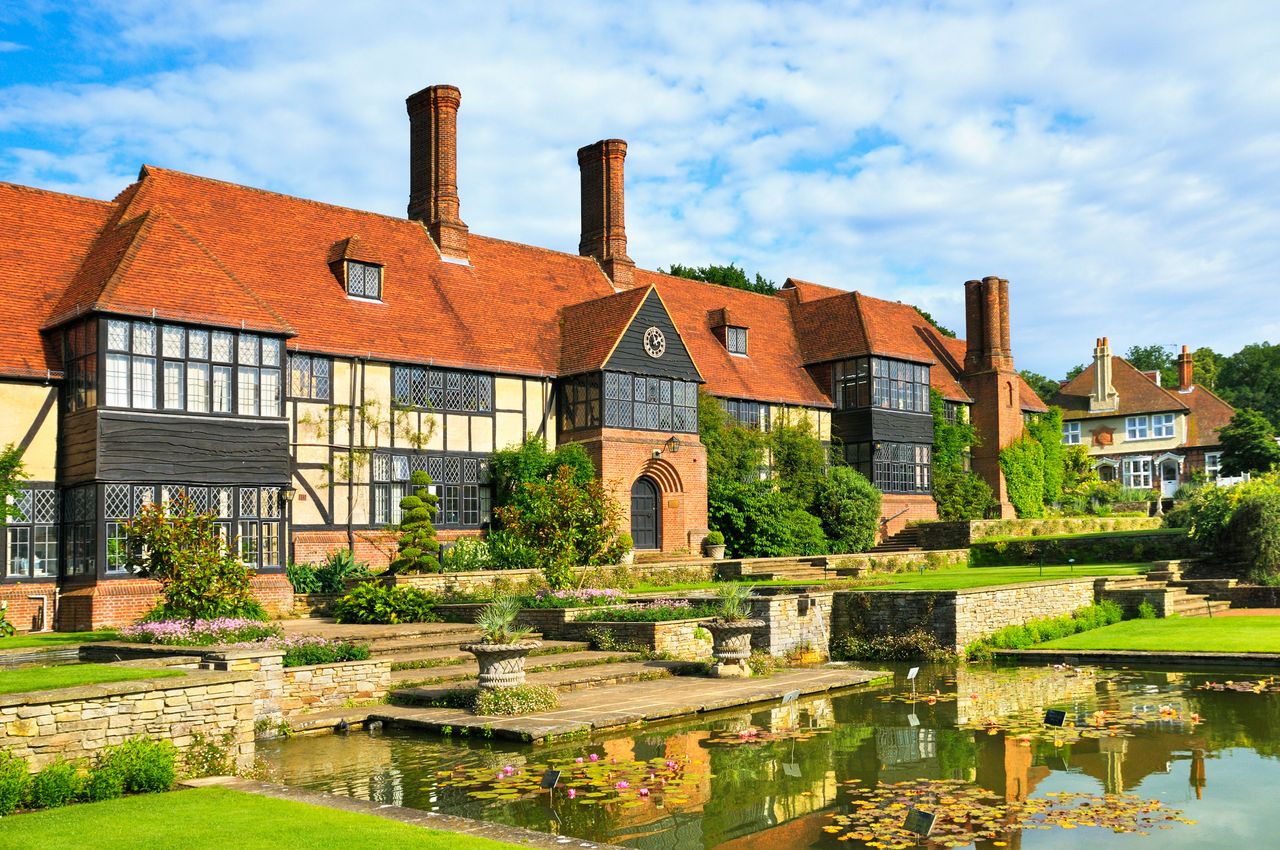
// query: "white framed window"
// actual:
[[1137, 427], [1137, 473], [1071, 433], [1162, 425], [1212, 465]]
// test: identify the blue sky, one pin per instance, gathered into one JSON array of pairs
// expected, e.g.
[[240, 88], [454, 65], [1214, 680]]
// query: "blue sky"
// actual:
[[1119, 163]]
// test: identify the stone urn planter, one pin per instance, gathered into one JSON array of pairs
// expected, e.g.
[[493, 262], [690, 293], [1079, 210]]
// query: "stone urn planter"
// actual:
[[501, 664], [731, 647], [715, 551]]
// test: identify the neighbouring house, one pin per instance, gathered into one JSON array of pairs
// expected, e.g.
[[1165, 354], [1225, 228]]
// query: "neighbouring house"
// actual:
[[288, 364], [1142, 434]]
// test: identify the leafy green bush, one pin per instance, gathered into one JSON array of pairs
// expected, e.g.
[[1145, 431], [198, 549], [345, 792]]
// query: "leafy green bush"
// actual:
[[374, 602], [102, 783], [1029, 634], [1023, 465], [468, 554], [1147, 611], [417, 547], [516, 466], [760, 521], [918, 644], [762, 663], [182, 549], [657, 611], [1046, 429], [713, 538], [339, 566], [961, 495], [303, 578], [799, 460], [522, 699], [1253, 533], [848, 506], [56, 785], [144, 766], [14, 782], [508, 551], [301, 651]]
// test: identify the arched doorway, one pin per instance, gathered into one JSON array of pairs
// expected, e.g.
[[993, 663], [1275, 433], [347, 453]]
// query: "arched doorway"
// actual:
[[646, 516]]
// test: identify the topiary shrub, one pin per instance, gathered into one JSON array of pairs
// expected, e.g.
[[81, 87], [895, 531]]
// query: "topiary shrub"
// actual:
[[58, 784], [376, 603], [848, 506], [15, 779], [418, 547], [144, 766]]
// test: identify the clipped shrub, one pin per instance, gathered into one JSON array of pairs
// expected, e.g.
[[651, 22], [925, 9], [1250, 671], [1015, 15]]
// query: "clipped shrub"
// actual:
[[58, 784], [522, 699], [714, 538], [376, 603], [1147, 611], [14, 782], [961, 495], [417, 547], [759, 521], [143, 765], [848, 506], [467, 555], [917, 644], [1029, 634]]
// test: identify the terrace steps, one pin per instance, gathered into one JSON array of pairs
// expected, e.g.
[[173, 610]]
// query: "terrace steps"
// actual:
[[564, 680], [909, 539], [1167, 597]]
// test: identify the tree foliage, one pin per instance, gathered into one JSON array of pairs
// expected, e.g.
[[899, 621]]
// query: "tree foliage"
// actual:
[[942, 329], [1251, 378], [730, 275], [12, 474], [1046, 429], [417, 548], [799, 460], [849, 507], [734, 452], [760, 521], [1045, 388], [1248, 444], [515, 466], [182, 549], [1154, 358]]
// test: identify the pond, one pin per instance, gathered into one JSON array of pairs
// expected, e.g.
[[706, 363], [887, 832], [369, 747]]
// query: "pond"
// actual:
[[1155, 759]]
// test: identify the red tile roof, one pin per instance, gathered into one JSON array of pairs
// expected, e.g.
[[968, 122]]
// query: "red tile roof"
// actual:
[[590, 331], [47, 236], [1208, 416], [1137, 392]]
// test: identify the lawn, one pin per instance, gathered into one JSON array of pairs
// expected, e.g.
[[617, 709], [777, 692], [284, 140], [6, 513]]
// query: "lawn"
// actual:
[[1084, 535], [216, 819], [950, 578], [42, 640], [23, 679], [1180, 634]]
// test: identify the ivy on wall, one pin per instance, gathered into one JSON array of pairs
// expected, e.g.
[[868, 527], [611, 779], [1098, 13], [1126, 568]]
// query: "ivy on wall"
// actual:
[[1023, 464]]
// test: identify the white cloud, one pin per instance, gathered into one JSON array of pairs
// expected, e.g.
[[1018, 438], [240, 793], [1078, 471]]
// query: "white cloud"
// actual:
[[1118, 163]]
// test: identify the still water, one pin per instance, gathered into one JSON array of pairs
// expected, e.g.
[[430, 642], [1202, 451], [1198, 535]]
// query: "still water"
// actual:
[[1147, 759]]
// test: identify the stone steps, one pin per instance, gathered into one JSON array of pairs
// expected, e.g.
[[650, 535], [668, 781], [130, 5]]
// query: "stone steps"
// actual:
[[465, 670], [1170, 598], [431, 658], [563, 680]]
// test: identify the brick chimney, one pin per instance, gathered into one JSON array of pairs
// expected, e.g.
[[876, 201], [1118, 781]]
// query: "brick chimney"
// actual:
[[604, 228], [1186, 371], [1103, 396], [433, 167], [991, 381]]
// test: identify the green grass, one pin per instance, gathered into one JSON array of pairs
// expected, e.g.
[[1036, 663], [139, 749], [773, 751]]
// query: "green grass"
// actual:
[[1084, 535], [217, 819], [1181, 634], [25, 679], [950, 578], [53, 639]]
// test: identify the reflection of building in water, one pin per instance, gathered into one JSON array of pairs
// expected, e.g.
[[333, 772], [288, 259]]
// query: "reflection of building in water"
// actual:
[[907, 752], [982, 694], [1197, 778], [1007, 767]]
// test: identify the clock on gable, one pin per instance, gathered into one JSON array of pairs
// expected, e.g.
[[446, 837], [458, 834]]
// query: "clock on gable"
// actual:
[[655, 344]]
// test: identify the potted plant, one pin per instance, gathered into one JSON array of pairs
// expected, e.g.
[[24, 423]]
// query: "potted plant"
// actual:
[[628, 547], [503, 646], [713, 545], [731, 633]]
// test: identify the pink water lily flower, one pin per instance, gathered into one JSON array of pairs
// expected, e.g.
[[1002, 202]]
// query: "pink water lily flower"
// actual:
[[508, 770], [644, 792], [572, 792], [578, 760], [622, 785], [595, 757]]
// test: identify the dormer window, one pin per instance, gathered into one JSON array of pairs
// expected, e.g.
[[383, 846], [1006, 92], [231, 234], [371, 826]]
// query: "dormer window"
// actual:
[[735, 339], [364, 280]]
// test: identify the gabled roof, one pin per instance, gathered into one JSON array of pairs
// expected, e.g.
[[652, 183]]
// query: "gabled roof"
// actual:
[[773, 369], [46, 237], [807, 291], [1137, 394], [590, 331], [1209, 414]]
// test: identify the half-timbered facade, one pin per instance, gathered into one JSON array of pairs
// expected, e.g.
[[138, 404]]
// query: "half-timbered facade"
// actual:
[[289, 364]]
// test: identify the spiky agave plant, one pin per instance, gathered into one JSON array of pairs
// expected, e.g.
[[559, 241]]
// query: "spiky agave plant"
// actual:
[[497, 622], [733, 602]]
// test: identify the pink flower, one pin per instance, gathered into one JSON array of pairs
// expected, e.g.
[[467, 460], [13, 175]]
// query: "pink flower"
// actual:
[[595, 757], [622, 785], [499, 776], [578, 760], [671, 765], [644, 792], [508, 770], [572, 792]]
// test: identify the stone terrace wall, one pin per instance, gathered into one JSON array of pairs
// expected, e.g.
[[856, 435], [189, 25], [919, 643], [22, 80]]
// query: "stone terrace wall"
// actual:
[[792, 621], [956, 535], [674, 636], [319, 686], [78, 722], [956, 617]]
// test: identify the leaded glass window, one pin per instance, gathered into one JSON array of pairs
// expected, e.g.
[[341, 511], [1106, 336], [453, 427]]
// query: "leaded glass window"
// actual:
[[364, 280], [442, 389]]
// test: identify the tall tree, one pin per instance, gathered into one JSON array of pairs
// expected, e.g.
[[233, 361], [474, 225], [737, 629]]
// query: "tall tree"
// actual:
[[730, 275], [1154, 358], [1248, 444], [1074, 371], [1044, 387], [942, 329], [1251, 378], [1206, 365]]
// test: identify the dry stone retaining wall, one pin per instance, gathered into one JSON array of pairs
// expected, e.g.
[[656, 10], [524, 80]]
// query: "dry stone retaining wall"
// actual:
[[676, 637], [320, 686], [792, 622], [955, 535]]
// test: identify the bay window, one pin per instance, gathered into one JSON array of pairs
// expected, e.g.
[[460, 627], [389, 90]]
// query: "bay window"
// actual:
[[881, 382]]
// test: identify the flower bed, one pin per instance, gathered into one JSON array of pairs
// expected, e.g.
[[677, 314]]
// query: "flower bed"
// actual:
[[222, 630], [657, 611], [303, 650], [586, 597]]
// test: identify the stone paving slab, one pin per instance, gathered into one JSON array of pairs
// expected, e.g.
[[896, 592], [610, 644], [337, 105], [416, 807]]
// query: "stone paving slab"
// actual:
[[534, 663], [629, 704], [413, 817]]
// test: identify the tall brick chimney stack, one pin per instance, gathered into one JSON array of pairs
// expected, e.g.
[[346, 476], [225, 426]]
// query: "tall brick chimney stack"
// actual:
[[1186, 371], [991, 381], [433, 167], [604, 228], [1103, 396]]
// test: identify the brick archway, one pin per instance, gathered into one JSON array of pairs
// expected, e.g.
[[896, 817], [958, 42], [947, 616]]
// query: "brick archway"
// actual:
[[663, 473]]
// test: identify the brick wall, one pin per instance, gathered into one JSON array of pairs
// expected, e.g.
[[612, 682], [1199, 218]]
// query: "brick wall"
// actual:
[[119, 602], [28, 614], [913, 508], [78, 722]]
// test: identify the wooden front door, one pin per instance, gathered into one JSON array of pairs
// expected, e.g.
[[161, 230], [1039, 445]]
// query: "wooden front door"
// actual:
[[645, 514]]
